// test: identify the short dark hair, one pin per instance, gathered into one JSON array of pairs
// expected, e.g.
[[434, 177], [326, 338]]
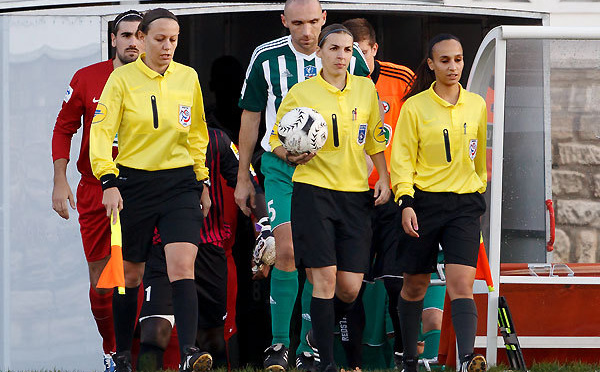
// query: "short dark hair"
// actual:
[[128, 16], [154, 14], [361, 29]]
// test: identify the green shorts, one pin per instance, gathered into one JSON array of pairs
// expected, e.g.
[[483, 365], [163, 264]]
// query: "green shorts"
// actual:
[[434, 297], [278, 188]]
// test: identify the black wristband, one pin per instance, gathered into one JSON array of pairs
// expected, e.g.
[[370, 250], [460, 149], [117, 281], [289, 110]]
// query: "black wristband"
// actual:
[[406, 201], [108, 180]]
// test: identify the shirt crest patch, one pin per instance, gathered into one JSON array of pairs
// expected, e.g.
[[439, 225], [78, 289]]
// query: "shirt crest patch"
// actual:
[[362, 134], [386, 106], [185, 115], [472, 148], [380, 133], [100, 113], [310, 71], [68, 94]]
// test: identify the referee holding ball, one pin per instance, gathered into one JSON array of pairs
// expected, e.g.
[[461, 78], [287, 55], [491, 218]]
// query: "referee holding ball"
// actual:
[[331, 203]]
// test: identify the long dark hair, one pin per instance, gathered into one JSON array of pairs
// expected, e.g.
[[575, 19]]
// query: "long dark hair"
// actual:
[[424, 77]]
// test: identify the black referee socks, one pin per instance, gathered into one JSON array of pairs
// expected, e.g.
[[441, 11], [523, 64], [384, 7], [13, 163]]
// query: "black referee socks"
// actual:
[[322, 317], [409, 313], [341, 308], [185, 307], [393, 286], [124, 314], [351, 331], [464, 320]]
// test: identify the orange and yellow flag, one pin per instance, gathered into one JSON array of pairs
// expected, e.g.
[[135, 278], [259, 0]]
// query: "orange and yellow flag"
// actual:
[[113, 274]]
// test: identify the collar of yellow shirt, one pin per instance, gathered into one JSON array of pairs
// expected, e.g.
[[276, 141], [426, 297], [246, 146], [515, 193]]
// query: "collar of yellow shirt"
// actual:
[[150, 72], [443, 102], [331, 88]]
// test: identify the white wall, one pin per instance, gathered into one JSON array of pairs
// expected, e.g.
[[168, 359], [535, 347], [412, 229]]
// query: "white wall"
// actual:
[[46, 322]]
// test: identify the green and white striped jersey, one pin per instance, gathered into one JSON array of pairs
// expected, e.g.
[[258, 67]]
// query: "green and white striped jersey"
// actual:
[[274, 68]]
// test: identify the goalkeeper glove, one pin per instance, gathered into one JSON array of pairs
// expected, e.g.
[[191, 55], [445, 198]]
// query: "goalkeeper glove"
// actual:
[[264, 250]]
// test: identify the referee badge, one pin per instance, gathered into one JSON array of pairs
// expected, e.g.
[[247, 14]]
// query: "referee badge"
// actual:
[[362, 134], [185, 115], [472, 148]]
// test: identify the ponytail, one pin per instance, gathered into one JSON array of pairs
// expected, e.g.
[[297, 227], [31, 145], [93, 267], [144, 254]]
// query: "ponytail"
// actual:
[[424, 76]]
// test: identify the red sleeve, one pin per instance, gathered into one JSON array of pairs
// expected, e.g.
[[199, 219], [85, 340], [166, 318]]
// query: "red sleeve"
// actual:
[[69, 119]]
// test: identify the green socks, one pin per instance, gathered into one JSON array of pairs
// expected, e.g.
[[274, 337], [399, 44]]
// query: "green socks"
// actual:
[[432, 344], [284, 289], [306, 323]]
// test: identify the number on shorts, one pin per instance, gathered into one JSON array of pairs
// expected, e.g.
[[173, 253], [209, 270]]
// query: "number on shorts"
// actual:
[[271, 210], [148, 289]]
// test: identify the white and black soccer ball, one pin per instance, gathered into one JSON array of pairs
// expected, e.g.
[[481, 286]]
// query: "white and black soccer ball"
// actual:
[[302, 130]]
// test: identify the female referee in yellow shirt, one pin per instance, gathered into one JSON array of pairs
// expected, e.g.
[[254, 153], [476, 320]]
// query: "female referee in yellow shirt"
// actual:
[[155, 105], [438, 174], [331, 203]]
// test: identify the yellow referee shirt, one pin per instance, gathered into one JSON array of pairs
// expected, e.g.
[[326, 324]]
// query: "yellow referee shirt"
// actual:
[[340, 165], [440, 147], [159, 119]]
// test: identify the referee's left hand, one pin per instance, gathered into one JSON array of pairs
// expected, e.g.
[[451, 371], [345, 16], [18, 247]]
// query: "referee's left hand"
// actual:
[[205, 202], [382, 191], [299, 159]]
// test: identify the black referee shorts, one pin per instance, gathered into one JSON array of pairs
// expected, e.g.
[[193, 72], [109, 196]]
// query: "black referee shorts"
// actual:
[[167, 199], [447, 219], [331, 228]]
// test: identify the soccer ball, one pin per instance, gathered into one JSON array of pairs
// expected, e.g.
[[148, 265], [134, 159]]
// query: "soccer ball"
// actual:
[[302, 130]]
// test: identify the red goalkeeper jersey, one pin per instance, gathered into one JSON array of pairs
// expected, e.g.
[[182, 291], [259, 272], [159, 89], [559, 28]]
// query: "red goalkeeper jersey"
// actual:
[[80, 100]]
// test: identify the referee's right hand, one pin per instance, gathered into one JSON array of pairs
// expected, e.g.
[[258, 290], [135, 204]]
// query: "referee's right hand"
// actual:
[[112, 201], [409, 222]]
